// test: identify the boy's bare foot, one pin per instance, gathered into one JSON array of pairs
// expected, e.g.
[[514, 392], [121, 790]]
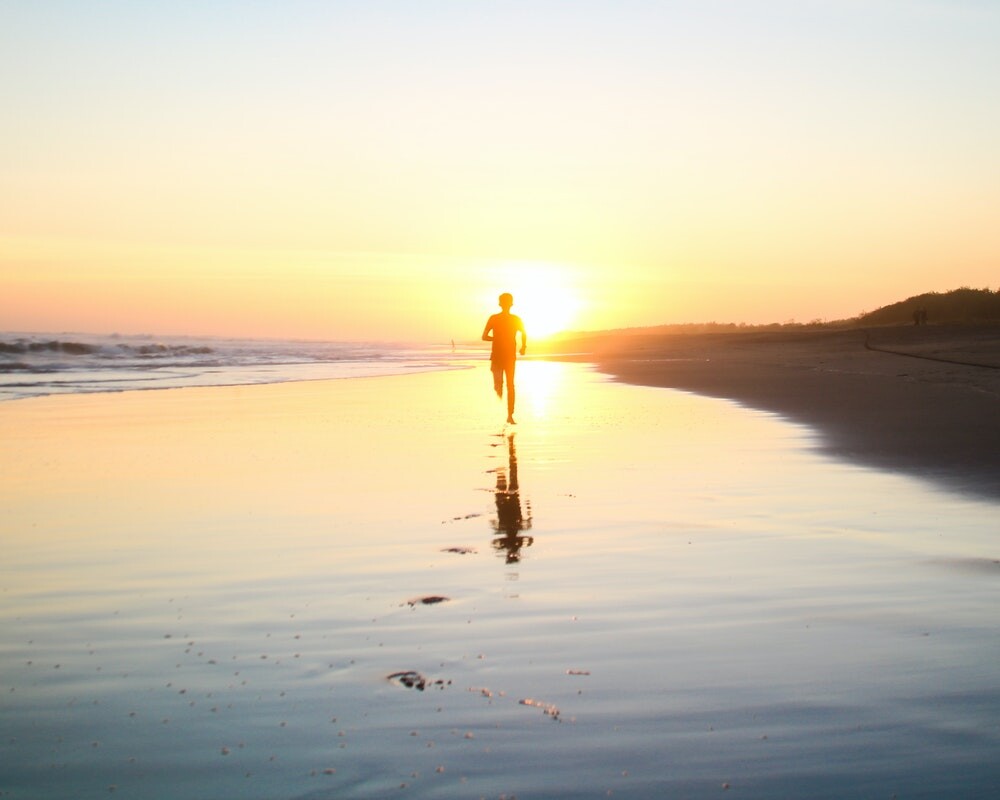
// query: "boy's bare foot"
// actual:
[[510, 419]]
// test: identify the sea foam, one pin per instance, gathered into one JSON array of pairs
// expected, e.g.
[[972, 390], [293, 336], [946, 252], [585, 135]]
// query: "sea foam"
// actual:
[[38, 364]]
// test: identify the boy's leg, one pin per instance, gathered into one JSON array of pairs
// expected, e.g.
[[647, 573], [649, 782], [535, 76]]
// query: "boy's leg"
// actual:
[[509, 370], [497, 378]]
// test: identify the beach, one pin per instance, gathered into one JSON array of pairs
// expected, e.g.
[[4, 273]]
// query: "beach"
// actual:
[[921, 400], [372, 587], [268, 527]]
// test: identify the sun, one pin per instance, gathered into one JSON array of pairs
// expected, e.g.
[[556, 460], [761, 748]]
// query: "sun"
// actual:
[[544, 297]]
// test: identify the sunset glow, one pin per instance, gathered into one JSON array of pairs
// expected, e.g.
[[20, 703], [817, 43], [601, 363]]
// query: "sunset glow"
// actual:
[[545, 296], [321, 171]]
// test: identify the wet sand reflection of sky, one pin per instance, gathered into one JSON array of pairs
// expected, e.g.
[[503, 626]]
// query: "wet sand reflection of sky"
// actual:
[[697, 575]]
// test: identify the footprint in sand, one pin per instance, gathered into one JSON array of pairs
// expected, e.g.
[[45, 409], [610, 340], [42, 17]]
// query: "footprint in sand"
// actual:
[[429, 600], [412, 679]]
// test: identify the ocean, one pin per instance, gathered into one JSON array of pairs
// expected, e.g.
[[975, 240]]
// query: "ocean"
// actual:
[[43, 364]]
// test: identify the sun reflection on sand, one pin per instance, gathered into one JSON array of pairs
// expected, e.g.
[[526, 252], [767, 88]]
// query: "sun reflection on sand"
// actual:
[[539, 383]]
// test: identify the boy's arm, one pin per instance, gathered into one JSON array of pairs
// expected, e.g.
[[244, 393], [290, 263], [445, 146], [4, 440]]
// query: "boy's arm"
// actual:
[[524, 338], [486, 331]]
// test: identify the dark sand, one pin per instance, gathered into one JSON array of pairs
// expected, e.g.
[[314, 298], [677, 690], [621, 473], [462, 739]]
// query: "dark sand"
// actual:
[[920, 400]]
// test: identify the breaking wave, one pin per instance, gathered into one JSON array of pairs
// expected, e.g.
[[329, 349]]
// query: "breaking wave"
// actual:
[[38, 365], [28, 346]]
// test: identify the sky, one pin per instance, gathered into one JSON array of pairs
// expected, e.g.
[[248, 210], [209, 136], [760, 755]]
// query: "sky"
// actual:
[[383, 169]]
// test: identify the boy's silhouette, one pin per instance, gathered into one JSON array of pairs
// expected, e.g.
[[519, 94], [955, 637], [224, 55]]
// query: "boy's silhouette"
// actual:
[[502, 330]]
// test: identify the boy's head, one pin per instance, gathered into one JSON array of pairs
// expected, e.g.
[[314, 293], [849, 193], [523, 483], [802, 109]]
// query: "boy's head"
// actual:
[[506, 300]]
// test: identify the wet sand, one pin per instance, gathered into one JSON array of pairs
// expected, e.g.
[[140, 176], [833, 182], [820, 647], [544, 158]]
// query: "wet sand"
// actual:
[[921, 400], [373, 588]]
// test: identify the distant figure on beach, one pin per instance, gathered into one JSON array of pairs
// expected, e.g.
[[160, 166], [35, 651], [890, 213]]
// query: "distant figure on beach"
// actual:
[[920, 316], [502, 330]]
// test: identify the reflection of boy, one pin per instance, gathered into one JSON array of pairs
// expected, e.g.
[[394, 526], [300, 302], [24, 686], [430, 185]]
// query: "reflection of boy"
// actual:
[[502, 329], [510, 521]]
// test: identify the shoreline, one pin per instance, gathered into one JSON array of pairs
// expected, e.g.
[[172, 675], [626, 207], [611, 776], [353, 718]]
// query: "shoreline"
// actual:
[[923, 401]]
